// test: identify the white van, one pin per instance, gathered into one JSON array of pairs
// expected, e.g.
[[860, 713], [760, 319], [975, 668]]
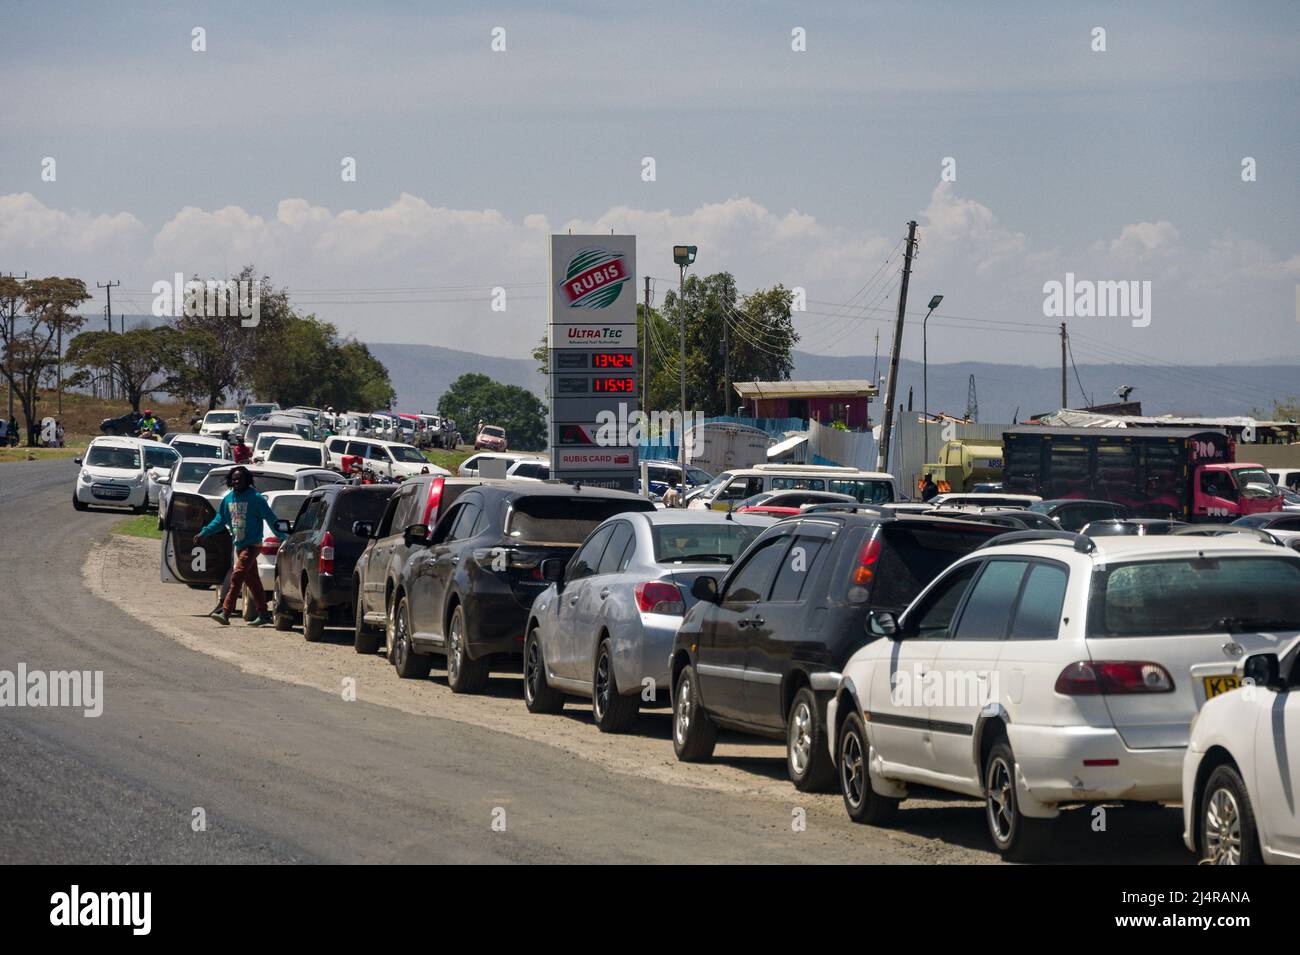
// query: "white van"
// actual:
[[731, 487]]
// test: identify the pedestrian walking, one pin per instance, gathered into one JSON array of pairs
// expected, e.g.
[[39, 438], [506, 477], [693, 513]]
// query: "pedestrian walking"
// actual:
[[242, 512]]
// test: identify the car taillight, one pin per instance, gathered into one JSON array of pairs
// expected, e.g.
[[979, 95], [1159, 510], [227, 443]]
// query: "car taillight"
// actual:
[[270, 546], [1113, 677], [867, 557], [657, 596], [326, 564], [435, 498]]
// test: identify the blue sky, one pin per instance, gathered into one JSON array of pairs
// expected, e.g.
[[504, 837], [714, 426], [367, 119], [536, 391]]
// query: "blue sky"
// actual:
[[800, 167]]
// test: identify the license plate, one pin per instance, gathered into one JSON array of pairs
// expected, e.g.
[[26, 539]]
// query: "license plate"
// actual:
[[1216, 685]]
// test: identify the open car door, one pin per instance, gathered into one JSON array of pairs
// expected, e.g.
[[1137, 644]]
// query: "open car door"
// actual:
[[199, 563]]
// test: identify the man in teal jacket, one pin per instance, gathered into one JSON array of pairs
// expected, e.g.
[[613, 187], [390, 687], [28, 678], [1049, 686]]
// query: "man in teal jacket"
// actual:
[[242, 512]]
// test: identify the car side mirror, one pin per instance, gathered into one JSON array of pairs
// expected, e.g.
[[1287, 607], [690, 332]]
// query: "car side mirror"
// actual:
[[705, 588], [284, 525], [553, 570], [1263, 669], [415, 535], [77, 460], [164, 479], [882, 623]]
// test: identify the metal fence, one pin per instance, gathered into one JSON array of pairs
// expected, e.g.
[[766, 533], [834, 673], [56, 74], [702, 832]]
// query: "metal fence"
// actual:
[[908, 451]]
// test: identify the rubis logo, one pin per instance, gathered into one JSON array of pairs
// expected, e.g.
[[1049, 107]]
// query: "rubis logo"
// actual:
[[594, 278]]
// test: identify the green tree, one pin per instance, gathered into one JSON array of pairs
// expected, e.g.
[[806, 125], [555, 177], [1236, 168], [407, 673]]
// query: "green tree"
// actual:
[[134, 359], [32, 345], [474, 397]]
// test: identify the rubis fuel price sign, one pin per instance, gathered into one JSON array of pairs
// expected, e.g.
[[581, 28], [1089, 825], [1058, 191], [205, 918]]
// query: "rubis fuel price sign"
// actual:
[[593, 359]]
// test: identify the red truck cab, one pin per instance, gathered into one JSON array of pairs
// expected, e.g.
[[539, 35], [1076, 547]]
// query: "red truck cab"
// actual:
[[1232, 490]]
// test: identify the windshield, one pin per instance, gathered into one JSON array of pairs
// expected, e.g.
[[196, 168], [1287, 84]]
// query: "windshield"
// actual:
[[191, 472], [1254, 483], [252, 411], [294, 454], [698, 477], [222, 417], [1195, 595], [718, 542], [403, 452], [103, 456], [494, 432], [755, 500], [564, 520]]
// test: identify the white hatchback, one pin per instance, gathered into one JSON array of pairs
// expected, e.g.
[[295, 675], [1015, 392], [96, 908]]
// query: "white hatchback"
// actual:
[[1055, 668], [112, 473]]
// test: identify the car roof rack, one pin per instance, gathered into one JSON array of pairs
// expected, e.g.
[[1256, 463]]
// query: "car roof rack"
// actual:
[[1223, 530], [1081, 542]]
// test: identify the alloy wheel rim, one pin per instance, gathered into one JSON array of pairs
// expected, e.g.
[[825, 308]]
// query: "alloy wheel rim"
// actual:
[[530, 677], [399, 647], [800, 738], [602, 685], [683, 710], [1223, 828], [1001, 800], [453, 657], [851, 775]]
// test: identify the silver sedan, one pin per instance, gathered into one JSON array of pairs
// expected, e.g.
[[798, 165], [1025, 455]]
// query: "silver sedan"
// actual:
[[604, 629]]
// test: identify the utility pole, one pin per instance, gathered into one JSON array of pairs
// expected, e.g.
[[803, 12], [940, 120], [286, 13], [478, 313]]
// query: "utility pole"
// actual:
[[726, 366], [683, 257], [108, 291], [645, 350], [11, 326], [882, 454], [1065, 398]]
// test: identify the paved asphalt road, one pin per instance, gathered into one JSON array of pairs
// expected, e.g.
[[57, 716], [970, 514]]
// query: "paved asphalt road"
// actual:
[[285, 774]]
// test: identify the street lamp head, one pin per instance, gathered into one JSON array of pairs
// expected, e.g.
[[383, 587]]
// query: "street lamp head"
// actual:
[[684, 254], [934, 302]]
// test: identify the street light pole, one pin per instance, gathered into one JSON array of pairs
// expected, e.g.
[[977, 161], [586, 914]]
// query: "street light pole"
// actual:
[[925, 379], [683, 256]]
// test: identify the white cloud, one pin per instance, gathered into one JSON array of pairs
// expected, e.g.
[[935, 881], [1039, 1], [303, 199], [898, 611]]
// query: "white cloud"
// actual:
[[414, 272]]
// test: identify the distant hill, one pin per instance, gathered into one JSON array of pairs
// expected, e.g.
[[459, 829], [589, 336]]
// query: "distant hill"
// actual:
[[421, 373]]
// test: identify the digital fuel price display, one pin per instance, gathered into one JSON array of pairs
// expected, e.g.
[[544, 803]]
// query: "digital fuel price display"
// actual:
[[595, 360], [595, 385]]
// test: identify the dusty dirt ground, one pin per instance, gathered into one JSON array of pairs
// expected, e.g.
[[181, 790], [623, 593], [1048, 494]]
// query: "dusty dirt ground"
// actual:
[[125, 572]]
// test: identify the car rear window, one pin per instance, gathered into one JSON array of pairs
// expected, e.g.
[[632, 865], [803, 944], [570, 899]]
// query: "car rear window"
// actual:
[[193, 449], [1195, 595], [358, 504], [912, 555], [864, 491], [564, 520], [293, 454], [687, 543], [285, 506], [191, 471]]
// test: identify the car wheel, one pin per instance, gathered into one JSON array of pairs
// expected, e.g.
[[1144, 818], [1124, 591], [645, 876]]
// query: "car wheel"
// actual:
[[1228, 832], [807, 758], [863, 804], [539, 695], [1016, 836], [364, 637], [282, 616], [463, 674], [615, 712], [313, 624], [408, 664], [694, 732], [78, 504]]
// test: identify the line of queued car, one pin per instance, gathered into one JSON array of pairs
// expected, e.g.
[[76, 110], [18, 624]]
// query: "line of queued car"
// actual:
[[890, 646]]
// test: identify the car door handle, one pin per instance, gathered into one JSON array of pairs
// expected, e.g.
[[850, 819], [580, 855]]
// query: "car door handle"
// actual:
[[742, 623], [573, 601], [604, 593], [757, 621]]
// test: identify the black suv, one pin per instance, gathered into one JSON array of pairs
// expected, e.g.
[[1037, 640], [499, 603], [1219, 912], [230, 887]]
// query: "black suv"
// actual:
[[420, 500], [468, 593], [1073, 513], [314, 564], [762, 651]]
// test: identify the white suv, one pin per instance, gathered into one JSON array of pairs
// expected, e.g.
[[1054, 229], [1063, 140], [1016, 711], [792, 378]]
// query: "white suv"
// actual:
[[1242, 770], [1049, 668]]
